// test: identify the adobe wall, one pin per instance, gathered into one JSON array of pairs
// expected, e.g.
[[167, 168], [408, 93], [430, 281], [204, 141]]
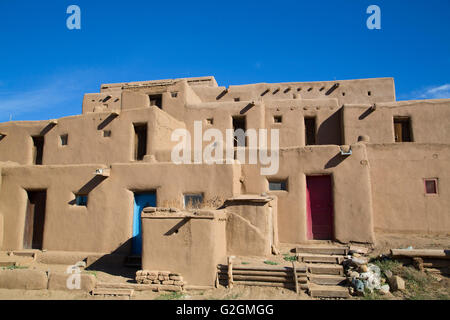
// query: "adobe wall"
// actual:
[[346, 91], [399, 200], [251, 225], [86, 141], [186, 243], [351, 191], [427, 121], [105, 225]]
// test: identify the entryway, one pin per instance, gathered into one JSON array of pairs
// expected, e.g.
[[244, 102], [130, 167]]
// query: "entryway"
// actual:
[[35, 219], [141, 200], [319, 206]]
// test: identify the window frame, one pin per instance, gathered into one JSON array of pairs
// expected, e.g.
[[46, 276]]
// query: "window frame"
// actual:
[[436, 183]]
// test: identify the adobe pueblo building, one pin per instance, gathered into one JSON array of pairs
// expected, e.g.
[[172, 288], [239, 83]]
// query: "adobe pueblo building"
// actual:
[[352, 162]]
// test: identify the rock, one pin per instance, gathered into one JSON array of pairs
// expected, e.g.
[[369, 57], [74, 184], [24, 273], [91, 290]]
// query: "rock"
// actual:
[[353, 274], [388, 274], [356, 255], [360, 250], [384, 289], [397, 283], [358, 285], [363, 268], [360, 261]]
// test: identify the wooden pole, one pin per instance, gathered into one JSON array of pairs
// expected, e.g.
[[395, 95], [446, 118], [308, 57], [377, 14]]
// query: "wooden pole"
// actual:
[[297, 291]]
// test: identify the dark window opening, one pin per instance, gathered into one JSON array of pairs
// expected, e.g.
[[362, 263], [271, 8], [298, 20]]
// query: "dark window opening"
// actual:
[[237, 99], [239, 122], [64, 139], [210, 121], [431, 186], [277, 119], [156, 100], [107, 133], [140, 141], [310, 131], [278, 185], [81, 200], [35, 220], [174, 94], [369, 93], [402, 129], [38, 149], [194, 200]]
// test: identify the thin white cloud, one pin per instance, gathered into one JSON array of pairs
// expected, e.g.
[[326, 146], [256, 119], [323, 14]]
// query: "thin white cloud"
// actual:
[[439, 92]]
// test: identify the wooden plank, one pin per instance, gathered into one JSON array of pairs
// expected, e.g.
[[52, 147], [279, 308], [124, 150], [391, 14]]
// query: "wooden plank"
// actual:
[[230, 272], [295, 278], [271, 284], [431, 253], [265, 279], [265, 273], [264, 268]]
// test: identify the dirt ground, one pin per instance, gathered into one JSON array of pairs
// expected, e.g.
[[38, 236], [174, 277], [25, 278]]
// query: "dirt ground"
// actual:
[[419, 285]]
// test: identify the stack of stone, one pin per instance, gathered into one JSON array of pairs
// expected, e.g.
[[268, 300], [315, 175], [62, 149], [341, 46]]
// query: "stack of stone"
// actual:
[[159, 277]]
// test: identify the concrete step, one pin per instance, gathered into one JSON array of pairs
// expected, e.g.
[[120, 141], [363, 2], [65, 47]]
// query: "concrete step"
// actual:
[[319, 291], [322, 249], [112, 292], [329, 269], [327, 280], [319, 258]]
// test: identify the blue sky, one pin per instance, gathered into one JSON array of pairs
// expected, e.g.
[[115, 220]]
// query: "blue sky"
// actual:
[[45, 68]]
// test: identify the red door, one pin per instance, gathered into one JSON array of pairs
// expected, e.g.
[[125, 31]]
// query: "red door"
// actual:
[[319, 205]]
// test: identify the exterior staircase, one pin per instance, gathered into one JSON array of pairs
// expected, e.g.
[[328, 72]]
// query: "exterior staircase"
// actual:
[[324, 269]]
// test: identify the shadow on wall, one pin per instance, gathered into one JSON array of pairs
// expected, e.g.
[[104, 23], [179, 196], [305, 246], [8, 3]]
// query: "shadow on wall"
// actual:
[[366, 113], [88, 187], [114, 263], [335, 161], [330, 131], [107, 121], [176, 227]]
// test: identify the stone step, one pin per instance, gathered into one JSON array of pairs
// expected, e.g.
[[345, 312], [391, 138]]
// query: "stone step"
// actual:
[[322, 249], [327, 280], [319, 258], [138, 287], [319, 291], [330, 269], [112, 292]]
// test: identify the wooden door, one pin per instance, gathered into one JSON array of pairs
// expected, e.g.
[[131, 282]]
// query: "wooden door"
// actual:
[[319, 208]]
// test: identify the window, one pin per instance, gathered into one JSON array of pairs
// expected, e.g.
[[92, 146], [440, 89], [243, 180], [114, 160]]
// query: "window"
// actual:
[[38, 149], [210, 121], [107, 133], [81, 200], [402, 129], [237, 99], [64, 139], [193, 200], [310, 131], [278, 119], [140, 140], [239, 122], [431, 186], [156, 100], [278, 185], [174, 94]]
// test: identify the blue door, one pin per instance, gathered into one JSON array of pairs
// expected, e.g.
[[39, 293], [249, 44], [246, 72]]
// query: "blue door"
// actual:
[[141, 200]]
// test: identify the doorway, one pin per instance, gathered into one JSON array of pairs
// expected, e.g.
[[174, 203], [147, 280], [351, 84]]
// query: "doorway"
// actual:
[[141, 200], [319, 206], [35, 220]]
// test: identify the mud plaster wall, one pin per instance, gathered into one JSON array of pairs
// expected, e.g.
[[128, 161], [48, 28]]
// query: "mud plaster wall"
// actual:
[[86, 141], [250, 228], [105, 225], [351, 191], [427, 121], [193, 251], [399, 200]]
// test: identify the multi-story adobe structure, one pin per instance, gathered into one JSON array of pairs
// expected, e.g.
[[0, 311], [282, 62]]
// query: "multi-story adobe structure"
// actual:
[[353, 162]]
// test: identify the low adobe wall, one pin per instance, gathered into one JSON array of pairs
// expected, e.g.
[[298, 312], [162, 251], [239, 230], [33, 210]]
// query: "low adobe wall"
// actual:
[[399, 200], [187, 243], [251, 225]]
